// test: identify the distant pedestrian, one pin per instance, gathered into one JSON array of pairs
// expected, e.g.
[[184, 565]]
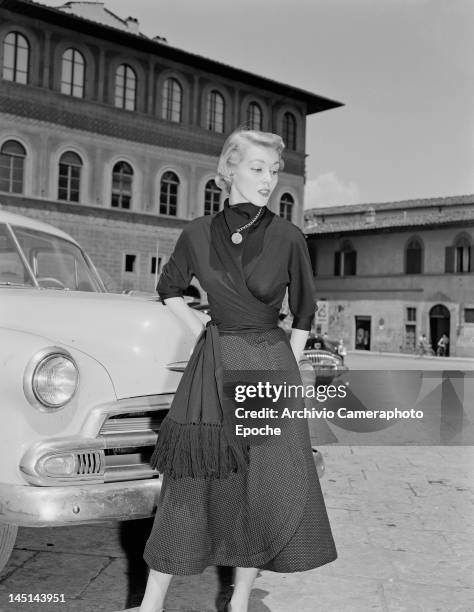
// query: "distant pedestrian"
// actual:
[[359, 343], [341, 349], [442, 347], [423, 346]]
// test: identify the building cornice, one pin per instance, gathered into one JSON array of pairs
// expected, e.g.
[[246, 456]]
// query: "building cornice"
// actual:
[[96, 212], [427, 213], [389, 229], [395, 205]]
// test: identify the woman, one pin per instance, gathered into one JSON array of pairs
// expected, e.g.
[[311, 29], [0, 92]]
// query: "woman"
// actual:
[[252, 502]]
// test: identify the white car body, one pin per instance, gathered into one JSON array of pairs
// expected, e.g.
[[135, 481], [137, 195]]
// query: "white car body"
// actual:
[[122, 347]]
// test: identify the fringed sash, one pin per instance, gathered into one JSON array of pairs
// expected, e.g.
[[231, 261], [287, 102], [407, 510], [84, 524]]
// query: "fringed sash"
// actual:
[[197, 438]]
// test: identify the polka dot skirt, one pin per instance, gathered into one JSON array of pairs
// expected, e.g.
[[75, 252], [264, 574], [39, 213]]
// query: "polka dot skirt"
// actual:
[[272, 516]]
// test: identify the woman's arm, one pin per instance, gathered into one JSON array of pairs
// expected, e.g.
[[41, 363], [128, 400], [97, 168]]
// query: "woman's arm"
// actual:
[[298, 340], [178, 306], [301, 293], [174, 278]]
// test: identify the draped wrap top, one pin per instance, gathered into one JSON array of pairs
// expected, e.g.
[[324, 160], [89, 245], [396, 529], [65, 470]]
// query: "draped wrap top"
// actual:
[[245, 282]]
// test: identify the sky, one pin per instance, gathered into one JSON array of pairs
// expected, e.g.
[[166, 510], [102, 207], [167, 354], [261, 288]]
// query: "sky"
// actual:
[[403, 69]]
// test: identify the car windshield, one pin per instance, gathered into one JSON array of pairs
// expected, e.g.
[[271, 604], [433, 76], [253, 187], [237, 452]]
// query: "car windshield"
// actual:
[[54, 262]]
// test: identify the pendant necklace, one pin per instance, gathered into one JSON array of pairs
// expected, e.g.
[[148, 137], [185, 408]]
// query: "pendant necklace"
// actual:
[[237, 236]]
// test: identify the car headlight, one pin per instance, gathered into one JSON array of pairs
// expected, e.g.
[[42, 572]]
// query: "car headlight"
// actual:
[[51, 379]]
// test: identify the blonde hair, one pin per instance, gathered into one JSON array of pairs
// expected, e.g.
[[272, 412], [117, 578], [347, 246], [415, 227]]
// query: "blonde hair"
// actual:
[[233, 148]]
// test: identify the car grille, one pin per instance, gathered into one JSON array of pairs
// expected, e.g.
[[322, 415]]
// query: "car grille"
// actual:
[[129, 433], [321, 358], [132, 423], [116, 444], [129, 442], [89, 463]]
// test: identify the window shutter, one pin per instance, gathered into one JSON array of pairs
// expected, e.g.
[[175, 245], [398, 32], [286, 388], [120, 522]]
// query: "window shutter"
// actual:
[[354, 262], [337, 263], [413, 261], [312, 254], [471, 259], [449, 259], [349, 262]]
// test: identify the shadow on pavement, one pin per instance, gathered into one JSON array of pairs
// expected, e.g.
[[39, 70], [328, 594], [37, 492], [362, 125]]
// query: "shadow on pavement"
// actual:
[[256, 603], [133, 537]]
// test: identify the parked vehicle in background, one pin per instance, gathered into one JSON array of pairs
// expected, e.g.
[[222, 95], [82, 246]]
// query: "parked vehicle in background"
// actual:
[[325, 358], [318, 342], [86, 378]]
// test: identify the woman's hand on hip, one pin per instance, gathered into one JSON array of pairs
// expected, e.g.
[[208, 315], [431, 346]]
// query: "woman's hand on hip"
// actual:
[[187, 315]]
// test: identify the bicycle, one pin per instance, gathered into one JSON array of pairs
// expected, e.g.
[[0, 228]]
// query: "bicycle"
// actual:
[[425, 349]]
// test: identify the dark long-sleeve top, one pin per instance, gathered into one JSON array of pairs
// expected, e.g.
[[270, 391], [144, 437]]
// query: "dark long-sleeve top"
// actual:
[[272, 256]]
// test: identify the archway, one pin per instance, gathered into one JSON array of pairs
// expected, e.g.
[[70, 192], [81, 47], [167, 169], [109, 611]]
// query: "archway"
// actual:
[[439, 325]]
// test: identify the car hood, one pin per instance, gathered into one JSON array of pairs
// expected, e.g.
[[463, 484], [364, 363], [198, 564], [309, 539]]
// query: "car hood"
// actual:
[[132, 337]]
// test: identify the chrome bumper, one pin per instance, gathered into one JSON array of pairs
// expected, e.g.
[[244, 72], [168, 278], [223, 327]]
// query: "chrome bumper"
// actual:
[[28, 506]]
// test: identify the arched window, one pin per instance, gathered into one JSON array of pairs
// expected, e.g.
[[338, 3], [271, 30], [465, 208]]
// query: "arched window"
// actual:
[[289, 131], [254, 116], [460, 256], [125, 87], [345, 260], [212, 198], [169, 194], [16, 55], [414, 257], [73, 73], [12, 166], [172, 100], [215, 112], [122, 184], [69, 181], [286, 206], [440, 312]]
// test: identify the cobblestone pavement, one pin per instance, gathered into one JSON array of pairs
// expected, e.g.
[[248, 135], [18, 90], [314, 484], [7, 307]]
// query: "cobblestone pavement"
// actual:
[[402, 519]]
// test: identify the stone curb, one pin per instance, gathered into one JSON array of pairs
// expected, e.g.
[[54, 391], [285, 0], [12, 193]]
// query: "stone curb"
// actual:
[[408, 355]]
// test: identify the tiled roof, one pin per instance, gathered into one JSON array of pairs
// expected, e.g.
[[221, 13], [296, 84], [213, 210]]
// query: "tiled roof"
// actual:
[[408, 213], [400, 205]]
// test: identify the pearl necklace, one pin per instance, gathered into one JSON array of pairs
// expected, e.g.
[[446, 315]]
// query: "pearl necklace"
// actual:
[[237, 236]]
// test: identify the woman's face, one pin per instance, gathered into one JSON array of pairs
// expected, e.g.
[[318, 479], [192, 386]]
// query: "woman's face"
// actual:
[[255, 176]]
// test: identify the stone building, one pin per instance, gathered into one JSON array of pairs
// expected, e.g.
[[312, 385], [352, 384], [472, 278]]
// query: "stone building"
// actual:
[[114, 136], [388, 272]]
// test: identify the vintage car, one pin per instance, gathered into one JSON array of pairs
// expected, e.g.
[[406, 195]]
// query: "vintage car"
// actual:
[[323, 354], [86, 378], [320, 361]]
